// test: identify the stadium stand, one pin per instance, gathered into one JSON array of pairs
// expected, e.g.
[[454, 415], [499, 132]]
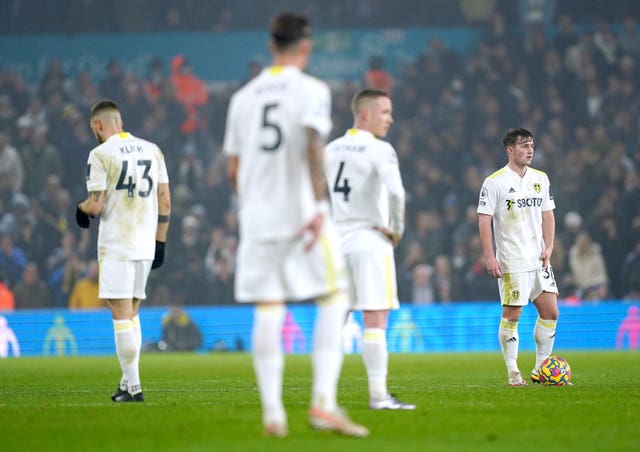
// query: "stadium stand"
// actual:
[[572, 78]]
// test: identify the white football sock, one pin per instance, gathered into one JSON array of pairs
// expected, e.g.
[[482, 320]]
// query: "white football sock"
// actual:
[[544, 334], [509, 339], [137, 331], [376, 358], [127, 352], [326, 358], [268, 360]]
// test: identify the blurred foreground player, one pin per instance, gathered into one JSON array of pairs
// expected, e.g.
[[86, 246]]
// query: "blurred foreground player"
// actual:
[[275, 133], [128, 187]]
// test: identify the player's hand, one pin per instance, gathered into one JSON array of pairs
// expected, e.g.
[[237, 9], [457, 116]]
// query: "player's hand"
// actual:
[[311, 231], [393, 238], [82, 218], [158, 258], [493, 267], [545, 257]]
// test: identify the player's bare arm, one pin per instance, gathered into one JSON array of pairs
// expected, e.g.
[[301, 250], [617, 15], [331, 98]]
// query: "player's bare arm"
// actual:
[[164, 212], [232, 171], [486, 239], [548, 235], [315, 152], [93, 204]]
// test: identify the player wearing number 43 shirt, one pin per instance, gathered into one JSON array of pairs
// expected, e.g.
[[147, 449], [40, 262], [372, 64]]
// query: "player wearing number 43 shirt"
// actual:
[[368, 203], [129, 188], [518, 202]]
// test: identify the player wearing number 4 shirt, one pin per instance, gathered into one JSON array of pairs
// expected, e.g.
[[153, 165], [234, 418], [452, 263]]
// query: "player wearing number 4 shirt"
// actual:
[[368, 202], [288, 250], [128, 187], [517, 200]]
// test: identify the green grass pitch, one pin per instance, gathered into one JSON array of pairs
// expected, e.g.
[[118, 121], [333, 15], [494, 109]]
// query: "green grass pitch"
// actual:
[[210, 403]]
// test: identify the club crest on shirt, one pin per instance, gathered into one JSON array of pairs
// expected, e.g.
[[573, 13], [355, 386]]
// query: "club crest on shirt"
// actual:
[[537, 187], [515, 294]]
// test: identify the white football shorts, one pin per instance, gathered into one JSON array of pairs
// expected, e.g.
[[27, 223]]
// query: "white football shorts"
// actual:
[[123, 280], [516, 289], [373, 281], [284, 270]]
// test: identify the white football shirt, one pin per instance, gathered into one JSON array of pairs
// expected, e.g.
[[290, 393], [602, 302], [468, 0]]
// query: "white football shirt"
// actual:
[[266, 130], [516, 205], [365, 187], [128, 170]]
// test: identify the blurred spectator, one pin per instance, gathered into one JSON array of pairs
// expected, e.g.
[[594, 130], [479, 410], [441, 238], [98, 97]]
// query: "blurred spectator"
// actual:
[[222, 285], [422, 291], [42, 160], [8, 115], [179, 332], [443, 279], [588, 268], [35, 115], [154, 81], [566, 36], [11, 169], [134, 104], [54, 210], [53, 80], [629, 37], [111, 85], [64, 269], [7, 299], [190, 171], [377, 77], [85, 291], [12, 259], [191, 92], [31, 292]]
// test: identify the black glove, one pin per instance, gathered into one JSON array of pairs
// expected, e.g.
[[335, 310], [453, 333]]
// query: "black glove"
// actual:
[[82, 218], [158, 259]]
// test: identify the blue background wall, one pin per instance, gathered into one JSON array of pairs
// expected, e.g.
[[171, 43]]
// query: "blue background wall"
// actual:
[[434, 328], [338, 55]]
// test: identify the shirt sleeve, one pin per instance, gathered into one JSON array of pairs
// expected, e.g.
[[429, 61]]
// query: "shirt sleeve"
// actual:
[[488, 198], [548, 202], [230, 145], [317, 114], [163, 174], [97, 169], [389, 170]]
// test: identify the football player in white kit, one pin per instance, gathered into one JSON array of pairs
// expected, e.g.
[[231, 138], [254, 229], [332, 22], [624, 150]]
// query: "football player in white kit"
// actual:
[[128, 187], [519, 202], [368, 204], [288, 250]]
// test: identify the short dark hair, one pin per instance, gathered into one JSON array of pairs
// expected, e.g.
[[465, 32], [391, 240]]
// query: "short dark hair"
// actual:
[[103, 105], [365, 94], [512, 135], [288, 29]]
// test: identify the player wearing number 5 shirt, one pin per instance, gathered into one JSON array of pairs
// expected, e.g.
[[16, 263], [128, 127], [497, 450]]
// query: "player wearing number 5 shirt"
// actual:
[[276, 128]]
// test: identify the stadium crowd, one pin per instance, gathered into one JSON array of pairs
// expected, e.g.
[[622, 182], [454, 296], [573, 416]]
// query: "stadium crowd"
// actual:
[[575, 86]]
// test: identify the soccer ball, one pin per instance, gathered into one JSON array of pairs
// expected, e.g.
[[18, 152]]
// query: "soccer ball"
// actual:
[[555, 371]]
